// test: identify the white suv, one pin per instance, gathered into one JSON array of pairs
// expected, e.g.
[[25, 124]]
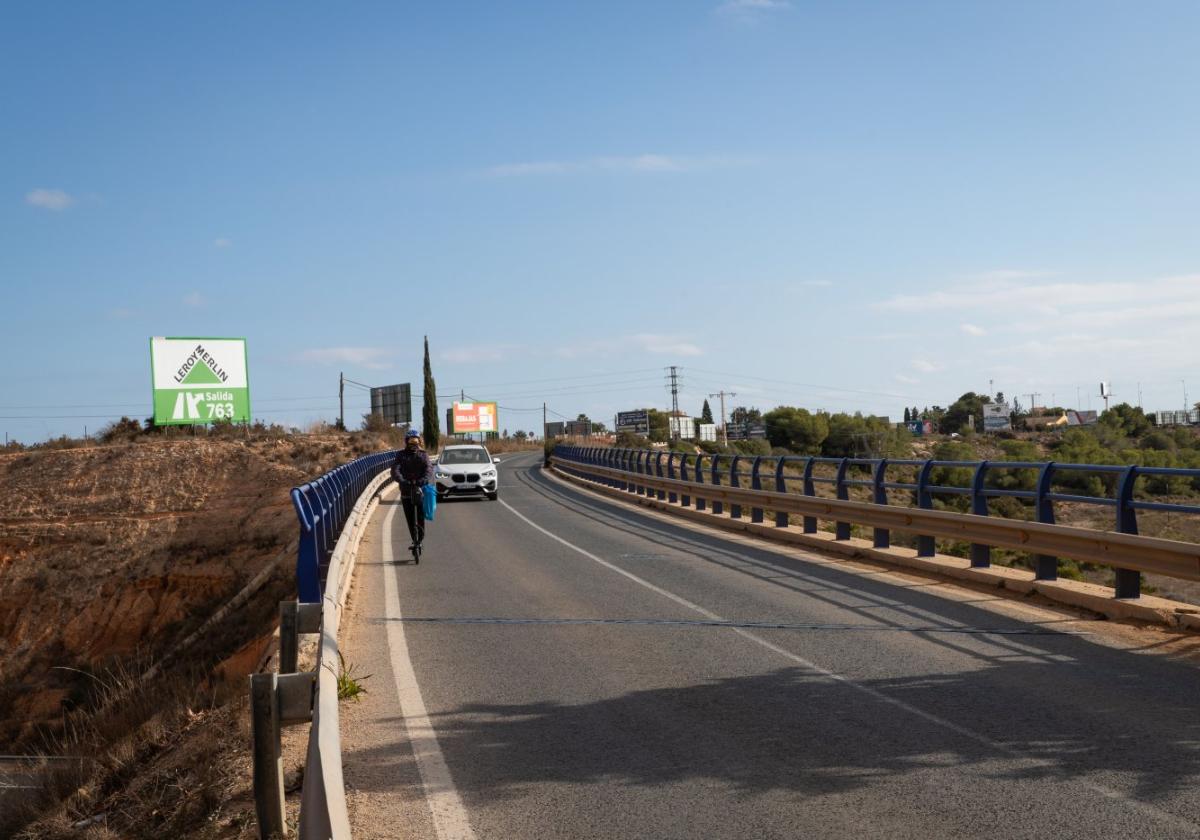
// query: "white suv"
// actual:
[[466, 470]]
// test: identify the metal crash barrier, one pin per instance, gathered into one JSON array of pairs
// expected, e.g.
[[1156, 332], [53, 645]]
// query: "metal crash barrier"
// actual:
[[333, 511], [711, 481]]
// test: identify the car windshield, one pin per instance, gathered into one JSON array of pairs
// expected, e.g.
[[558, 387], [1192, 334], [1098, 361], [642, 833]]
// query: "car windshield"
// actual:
[[465, 456]]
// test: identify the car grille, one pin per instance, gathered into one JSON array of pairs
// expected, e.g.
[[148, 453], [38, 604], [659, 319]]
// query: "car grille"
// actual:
[[459, 478]]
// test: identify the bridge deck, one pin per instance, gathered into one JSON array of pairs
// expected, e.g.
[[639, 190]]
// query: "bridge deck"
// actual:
[[561, 666]]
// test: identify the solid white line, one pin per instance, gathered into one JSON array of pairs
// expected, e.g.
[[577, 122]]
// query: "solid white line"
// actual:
[[445, 805], [1103, 790]]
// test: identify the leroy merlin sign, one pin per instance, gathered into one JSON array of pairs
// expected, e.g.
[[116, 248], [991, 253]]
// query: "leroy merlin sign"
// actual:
[[199, 380]]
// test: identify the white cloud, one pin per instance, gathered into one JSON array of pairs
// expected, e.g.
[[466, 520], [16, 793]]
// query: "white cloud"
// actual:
[[194, 300], [221, 242], [479, 353], [635, 164], [926, 366], [372, 358], [665, 345], [753, 6], [971, 329], [49, 199]]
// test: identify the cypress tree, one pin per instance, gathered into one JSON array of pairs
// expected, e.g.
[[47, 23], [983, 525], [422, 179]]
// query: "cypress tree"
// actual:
[[706, 413], [430, 428]]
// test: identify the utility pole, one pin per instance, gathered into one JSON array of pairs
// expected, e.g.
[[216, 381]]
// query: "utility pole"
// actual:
[[544, 435], [724, 432], [674, 421], [342, 400], [1032, 400], [1139, 395], [1185, 402]]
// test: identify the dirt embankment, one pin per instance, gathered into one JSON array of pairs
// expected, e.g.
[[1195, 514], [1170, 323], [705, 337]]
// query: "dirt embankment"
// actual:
[[111, 555]]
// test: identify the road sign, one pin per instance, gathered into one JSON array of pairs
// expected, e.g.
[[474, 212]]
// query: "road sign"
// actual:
[[394, 402], [637, 422], [475, 417], [199, 380]]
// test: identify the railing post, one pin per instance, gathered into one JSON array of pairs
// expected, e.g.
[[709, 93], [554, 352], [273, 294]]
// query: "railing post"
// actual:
[[658, 471], [883, 537], [735, 510], [981, 555], [781, 517], [701, 503], [810, 522], [842, 529], [268, 758], [1046, 566], [925, 545], [1129, 581], [671, 496], [685, 499], [641, 488], [756, 513], [717, 506]]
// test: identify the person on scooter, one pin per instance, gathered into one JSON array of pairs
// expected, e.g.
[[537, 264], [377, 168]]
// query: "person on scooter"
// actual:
[[413, 471]]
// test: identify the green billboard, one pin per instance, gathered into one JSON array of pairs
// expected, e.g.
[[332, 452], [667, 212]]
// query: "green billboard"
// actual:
[[199, 380]]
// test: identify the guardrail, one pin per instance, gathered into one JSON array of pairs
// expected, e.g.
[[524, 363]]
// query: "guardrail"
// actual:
[[333, 511], [680, 477]]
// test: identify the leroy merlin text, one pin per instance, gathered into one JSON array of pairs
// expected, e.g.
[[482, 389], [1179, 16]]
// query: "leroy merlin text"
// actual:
[[198, 354]]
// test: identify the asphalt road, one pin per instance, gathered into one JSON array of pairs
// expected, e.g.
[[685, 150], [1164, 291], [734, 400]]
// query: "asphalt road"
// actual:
[[563, 666]]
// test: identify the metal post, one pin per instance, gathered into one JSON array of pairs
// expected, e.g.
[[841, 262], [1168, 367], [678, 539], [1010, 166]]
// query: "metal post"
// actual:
[[981, 555], [685, 499], [883, 537], [671, 496], [925, 544], [735, 510], [781, 517], [810, 522], [756, 513], [718, 506], [700, 501], [1128, 582], [658, 471], [288, 638], [268, 758], [1046, 566], [842, 529]]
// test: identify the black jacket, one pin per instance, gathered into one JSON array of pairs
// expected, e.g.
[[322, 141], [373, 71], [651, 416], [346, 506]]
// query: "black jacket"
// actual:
[[412, 467]]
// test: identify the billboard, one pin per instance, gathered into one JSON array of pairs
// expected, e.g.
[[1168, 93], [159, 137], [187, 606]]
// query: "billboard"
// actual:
[[394, 402], [579, 428], [920, 427], [996, 417], [637, 422], [708, 432], [199, 380], [475, 417], [745, 431], [556, 429]]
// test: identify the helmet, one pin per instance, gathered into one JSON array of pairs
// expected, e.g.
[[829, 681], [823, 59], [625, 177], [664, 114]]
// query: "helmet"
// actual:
[[411, 433]]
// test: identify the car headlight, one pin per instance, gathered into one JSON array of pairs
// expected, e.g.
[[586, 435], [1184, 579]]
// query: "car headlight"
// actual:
[[489, 473]]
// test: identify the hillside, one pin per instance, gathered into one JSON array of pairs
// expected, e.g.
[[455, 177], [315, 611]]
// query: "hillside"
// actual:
[[110, 556]]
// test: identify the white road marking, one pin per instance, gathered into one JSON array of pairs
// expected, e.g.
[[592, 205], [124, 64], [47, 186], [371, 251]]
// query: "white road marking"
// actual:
[[446, 806], [1103, 790]]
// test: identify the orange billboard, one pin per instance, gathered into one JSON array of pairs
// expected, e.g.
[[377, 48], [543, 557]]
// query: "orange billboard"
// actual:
[[475, 417]]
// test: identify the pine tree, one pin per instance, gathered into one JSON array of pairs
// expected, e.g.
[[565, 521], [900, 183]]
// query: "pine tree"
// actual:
[[430, 428], [706, 413], [907, 416]]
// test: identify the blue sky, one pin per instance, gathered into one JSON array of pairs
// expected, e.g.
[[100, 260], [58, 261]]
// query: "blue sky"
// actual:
[[848, 206]]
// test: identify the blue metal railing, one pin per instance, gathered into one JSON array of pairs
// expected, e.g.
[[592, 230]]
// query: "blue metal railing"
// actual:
[[723, 469], [322, 507]]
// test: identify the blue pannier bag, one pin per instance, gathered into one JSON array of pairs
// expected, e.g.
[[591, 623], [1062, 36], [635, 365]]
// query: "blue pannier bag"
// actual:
[[429, 500]]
